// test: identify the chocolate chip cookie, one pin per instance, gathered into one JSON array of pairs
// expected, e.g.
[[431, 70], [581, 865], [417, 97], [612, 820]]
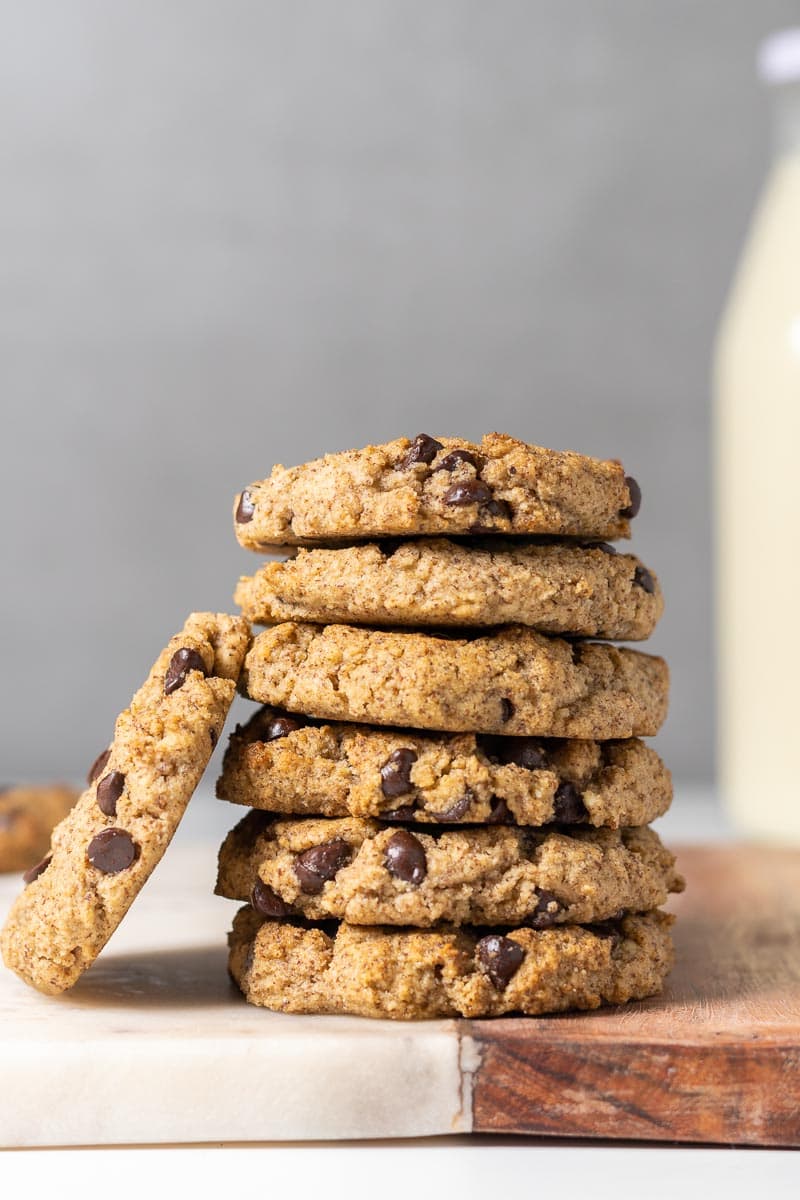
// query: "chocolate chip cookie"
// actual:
[[104, 850], [514, 682], [289, 764], [413, 973], [587, 590], [428, 485], [365, 874], [28, 814]]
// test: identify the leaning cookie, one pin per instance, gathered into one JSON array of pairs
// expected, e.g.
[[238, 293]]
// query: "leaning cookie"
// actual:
[[589, 590], [28, 814], [365, 874], [514, 682], [416, 973], [105, 849], [437, 486], [288, 764]]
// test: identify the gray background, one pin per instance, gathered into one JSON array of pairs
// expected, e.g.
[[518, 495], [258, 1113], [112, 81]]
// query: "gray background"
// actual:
[[238, 233]]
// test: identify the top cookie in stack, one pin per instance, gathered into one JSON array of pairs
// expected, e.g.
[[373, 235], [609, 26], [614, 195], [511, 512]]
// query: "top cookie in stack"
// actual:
[[463, 634]]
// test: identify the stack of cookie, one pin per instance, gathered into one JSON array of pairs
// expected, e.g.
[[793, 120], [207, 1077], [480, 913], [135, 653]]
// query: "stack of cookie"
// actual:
[[449, 796]]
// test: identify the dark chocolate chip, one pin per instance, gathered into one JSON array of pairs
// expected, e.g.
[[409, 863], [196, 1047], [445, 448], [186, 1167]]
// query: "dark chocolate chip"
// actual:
[[34, 872], [406, 812], [212, 737], [112, 851], [405, 857], [245, 508], [643, 578], [524, 752], [451, 460], [500, 958], [98, 766], [266, 901], [423, 449], [471, 491], [109, 790], [547, 911], [500, 813], [313, 868], [568, 806], [182, 662], [396, 773], [636, 498], [606, 547], [278, 727], [456, 810], [498, 508], [506, 709]]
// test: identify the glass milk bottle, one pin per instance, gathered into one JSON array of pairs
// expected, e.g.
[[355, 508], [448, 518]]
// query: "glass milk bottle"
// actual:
[[757, 478]]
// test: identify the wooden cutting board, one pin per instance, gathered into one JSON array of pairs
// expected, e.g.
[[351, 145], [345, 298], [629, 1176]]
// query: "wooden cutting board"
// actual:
[[715, 1059], [155, 1045]]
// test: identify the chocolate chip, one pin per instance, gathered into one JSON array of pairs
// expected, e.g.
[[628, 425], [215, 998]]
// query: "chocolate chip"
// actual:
[[109, 790], [98, 766], [472, 491], [643, 578], [313, 868], [498, 508], [423, 449], [506, 709], [405, 857], [278, 727], [266, 901], [34, 872], [606, 547], [636, 498], [182, 662], [451, 460], [406, 812], [547, 911], [500, 958], [112, 851], [212, 737], [568, 806], [524, 752], [245, 508], [396, 773], [456, 811], [500, 813]]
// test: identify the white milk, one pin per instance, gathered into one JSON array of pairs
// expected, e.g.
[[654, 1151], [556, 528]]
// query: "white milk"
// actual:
[[757, 448]]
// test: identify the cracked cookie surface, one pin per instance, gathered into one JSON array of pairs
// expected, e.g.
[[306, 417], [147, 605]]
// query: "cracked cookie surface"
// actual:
[[289, 764], [442, 485], [406, 974], [590, 591], [513, 682], [105, 849], [360, 872]]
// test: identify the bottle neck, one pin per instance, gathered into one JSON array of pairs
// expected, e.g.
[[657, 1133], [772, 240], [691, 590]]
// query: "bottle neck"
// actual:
[[786, 120]]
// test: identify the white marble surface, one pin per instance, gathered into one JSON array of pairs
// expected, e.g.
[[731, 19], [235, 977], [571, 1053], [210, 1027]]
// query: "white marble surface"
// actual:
[[155, 1045]]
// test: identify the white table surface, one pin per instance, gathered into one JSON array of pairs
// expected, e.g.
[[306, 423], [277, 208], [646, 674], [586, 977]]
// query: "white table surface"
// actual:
[[465, 1164]]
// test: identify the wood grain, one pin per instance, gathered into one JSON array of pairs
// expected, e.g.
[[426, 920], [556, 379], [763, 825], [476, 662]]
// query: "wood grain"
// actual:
[[715, 1059]]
